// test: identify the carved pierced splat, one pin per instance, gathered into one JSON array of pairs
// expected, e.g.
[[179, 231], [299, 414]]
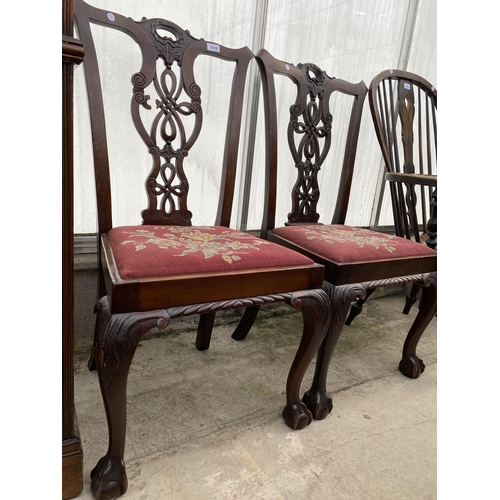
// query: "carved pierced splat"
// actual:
[[314, 140], [169, 139], [155, 296]]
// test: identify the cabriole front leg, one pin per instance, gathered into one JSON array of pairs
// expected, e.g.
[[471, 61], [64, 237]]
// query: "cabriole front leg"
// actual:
[[316, 312], [117, 337], [411, 365], [317, 399]]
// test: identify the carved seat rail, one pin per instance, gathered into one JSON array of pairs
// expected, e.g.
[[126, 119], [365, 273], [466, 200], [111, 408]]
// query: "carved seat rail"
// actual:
[[166, 266], [356, 260]]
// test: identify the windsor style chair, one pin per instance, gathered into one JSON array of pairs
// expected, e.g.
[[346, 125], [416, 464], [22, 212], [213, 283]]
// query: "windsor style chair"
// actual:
[[357, 260], [403, 106], [165, 267]]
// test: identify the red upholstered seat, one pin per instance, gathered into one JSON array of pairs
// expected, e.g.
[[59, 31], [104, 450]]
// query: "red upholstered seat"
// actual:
[[357, 261], [165, 268], [344, 244], [152, 251]]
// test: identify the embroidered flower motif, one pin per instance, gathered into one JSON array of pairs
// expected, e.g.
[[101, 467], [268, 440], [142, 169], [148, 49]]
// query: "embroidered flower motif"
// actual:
[[359, 236], [229, 245]]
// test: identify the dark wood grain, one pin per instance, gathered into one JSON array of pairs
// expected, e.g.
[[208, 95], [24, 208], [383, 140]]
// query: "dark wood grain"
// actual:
[[128, 308], [72, 455], [308, 128], [403, 106]]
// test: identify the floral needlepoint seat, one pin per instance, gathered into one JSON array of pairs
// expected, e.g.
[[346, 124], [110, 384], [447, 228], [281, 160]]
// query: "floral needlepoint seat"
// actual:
[[339, 246], [174, 262], [149, 251], [357, 260]]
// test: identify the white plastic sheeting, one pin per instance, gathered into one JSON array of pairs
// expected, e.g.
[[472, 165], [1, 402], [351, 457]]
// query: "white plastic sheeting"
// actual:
[[349, 39]]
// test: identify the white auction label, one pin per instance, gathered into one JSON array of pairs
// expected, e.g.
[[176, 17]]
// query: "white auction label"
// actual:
[[213, 47]]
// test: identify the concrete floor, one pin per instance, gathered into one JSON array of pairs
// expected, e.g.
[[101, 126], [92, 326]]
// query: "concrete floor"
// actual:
[[207, 425]]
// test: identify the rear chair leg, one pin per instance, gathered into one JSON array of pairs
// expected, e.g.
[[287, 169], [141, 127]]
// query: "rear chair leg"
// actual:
[[357, 307], [412, 297], [204, 334], [246, 323], [91, 364]]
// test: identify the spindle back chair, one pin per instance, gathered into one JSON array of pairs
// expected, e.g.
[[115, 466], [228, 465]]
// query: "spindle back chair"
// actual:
[[403, 106]]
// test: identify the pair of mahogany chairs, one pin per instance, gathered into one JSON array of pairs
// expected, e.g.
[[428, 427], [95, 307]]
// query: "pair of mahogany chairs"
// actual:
[[165, 267]]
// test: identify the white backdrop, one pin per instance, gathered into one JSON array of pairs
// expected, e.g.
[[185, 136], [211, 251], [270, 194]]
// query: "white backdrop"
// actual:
[[349, 39]]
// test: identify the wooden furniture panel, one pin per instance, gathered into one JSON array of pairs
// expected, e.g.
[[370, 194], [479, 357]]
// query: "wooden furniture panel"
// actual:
[[72, 454]]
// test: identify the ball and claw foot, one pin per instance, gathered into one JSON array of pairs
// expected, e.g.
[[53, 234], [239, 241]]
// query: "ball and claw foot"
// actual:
[[108, 479], [411, 367], [319, 403], [297, 416]]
